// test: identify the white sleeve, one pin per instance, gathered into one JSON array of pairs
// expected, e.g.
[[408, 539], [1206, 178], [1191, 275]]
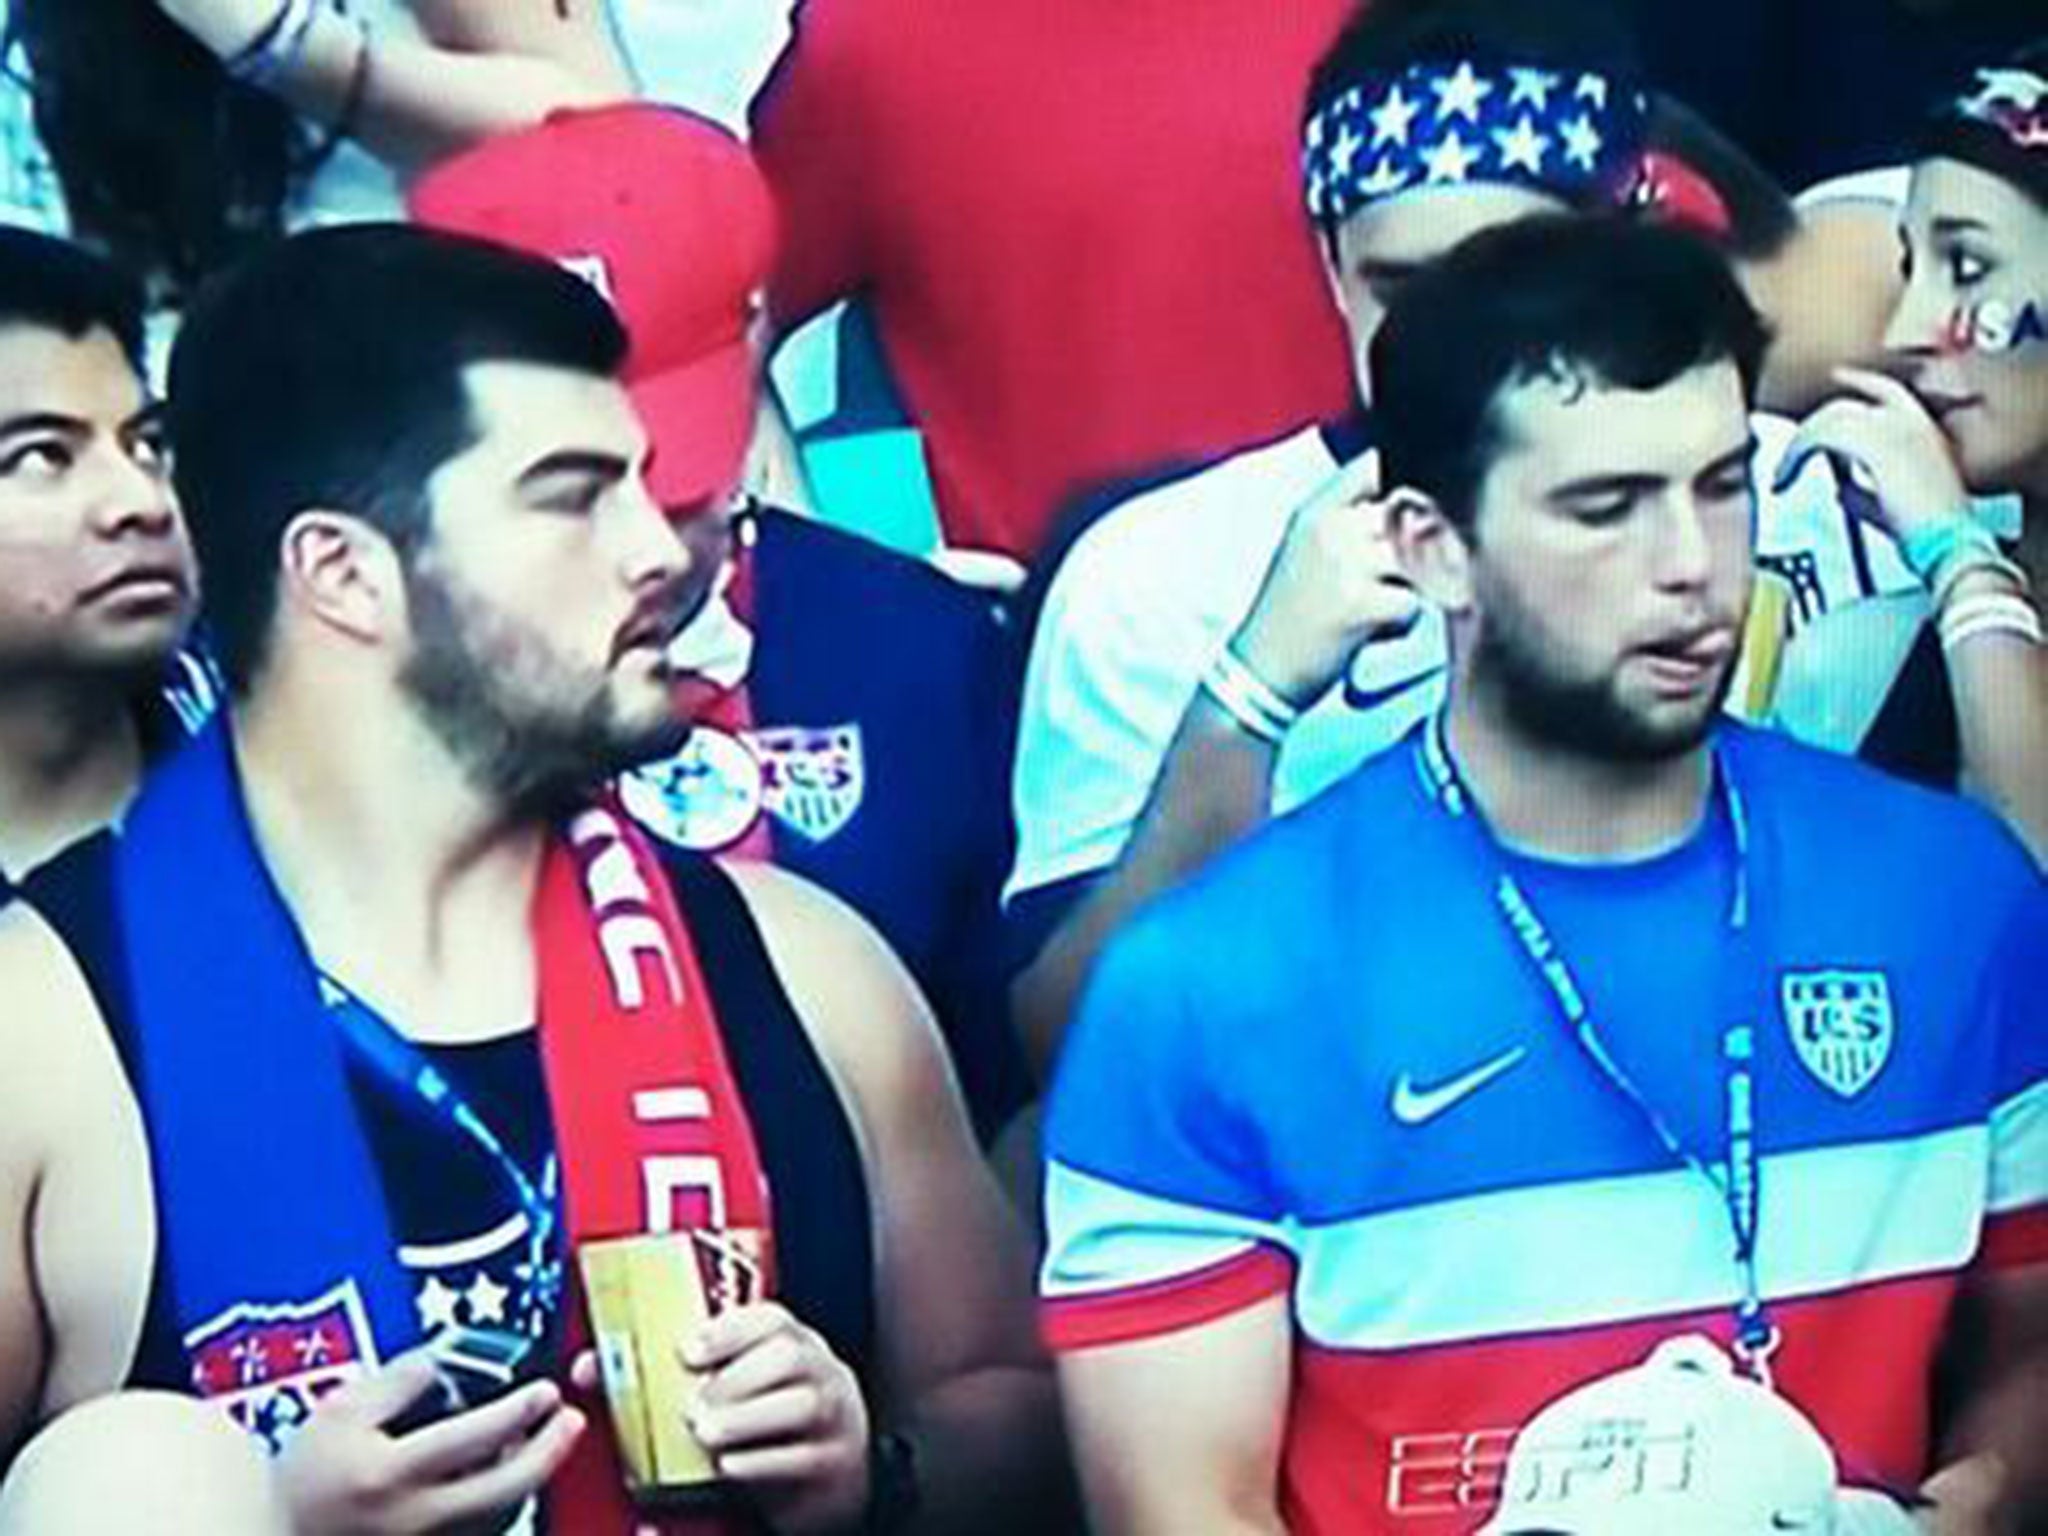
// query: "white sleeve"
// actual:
[[1114, 665]]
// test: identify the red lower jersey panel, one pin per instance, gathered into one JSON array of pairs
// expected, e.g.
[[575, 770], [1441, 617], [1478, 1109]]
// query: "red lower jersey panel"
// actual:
[[1417, 1441]]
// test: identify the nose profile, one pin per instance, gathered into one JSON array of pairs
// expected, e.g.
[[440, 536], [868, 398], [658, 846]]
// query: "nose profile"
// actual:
[[1684, 551], [1920, 324], [652, 549], [135, 498]]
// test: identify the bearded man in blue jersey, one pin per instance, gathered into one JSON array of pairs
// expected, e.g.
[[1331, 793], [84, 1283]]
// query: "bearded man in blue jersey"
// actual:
[[1579, 1021]]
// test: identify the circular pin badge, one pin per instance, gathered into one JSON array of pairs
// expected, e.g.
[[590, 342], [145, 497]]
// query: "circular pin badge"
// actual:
[[705, 798]]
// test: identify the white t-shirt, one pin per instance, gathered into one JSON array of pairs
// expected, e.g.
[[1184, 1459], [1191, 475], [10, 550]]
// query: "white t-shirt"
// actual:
[[1148, 597]]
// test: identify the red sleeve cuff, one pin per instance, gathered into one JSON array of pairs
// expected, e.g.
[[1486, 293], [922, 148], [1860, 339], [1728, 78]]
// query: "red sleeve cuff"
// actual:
[[2016, 1239], [1165, 1306]]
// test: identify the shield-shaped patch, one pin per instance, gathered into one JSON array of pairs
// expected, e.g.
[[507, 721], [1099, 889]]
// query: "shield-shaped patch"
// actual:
[[1841, 1025], [706, 797], [812, 781], [268, 1365]]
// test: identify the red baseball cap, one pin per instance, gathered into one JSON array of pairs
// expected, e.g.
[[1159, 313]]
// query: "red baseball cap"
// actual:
[[668, 217]]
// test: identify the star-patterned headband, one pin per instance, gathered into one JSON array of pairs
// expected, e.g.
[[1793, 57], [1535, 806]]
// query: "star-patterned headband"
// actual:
[[1455, 125], [2014, 101]]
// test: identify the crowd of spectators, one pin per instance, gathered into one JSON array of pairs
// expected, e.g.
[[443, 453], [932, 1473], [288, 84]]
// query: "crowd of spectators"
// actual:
[[1439, 849]]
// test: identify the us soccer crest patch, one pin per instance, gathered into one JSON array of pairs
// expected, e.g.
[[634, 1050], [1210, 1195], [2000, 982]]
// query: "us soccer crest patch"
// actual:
[[812, 781], [704, 798], [1841, 1024], [268, 1365]]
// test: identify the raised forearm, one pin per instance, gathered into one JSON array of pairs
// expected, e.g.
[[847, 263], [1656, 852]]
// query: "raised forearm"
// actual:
[[407, 99], [2000, 683]]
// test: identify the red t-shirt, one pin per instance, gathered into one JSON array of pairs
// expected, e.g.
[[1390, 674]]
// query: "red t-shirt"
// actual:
[[1078, 223]]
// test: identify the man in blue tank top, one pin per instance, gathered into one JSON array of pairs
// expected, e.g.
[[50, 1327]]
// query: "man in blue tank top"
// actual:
[[374, 1009], [858, 727], [1577, 1021]]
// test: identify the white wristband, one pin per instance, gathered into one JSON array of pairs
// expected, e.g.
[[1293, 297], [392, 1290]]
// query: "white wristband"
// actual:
[[1989, 614], [1248, 699], [1268, 698], [1969, 561]]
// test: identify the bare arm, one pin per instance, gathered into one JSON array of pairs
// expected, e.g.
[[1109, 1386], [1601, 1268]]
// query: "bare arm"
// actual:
[[1214, 786], [76, 1228], [1334, 584], [1183, 1432], [965, 1375], [1995, 1462], [1999, 680], [481, 67], [2000, 685]]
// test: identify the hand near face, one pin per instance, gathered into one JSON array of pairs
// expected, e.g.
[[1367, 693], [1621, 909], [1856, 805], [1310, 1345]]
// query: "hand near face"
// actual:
[[779, 1413], [346, 1473], [1892, 444], [1335, 584]]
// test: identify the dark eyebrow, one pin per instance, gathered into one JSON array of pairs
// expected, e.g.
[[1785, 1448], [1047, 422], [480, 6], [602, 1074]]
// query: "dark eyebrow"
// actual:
[[43, 421], [1951, 225], [1605, 485], [148, 419], [1734, 458], [575, 461]]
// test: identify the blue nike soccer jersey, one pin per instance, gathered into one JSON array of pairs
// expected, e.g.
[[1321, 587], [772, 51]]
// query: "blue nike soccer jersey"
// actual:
[[1326, 1067]]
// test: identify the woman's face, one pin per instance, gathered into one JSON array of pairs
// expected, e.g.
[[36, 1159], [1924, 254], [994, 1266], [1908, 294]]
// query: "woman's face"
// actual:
[[1970, 333]]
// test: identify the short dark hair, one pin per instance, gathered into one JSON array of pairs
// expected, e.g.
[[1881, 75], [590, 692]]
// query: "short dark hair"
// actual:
[[1632, 305], [62, 287], [1950, 135], [327, 372]]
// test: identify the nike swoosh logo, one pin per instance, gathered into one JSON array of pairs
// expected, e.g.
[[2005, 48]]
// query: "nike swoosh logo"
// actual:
[[1362, 698], [1414, 1105]]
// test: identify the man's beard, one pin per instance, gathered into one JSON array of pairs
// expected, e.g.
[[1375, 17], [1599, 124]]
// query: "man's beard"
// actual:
[[1586, 717], [526, 727]]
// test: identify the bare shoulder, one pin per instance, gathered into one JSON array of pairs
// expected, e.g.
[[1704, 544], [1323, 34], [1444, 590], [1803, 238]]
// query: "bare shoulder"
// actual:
[[857, 1002], [51, 1021], [62, 1103]]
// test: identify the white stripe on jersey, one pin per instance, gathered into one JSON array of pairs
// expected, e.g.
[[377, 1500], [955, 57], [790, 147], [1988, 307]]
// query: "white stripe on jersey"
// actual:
[[1107, 1239], [1556, 1256], [2019, 1160]]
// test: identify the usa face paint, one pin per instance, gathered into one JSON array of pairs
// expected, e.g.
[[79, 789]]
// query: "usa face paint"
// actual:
[[1995, 327]]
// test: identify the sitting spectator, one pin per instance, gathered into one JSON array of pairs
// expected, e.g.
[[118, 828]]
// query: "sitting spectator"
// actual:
[[96, 576], [179, 134], [1949, 684], [1130, 771], [1073, 225], [856, 730], [1427, 120], [1580, 1021], [489, 1023]]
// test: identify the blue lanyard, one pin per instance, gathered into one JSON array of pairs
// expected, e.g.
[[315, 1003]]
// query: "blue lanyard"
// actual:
[[401, 1065], [1739, 1178]]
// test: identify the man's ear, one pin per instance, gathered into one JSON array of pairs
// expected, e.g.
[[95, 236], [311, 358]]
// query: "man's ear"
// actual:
[[342, 573], [1326, 248], [1434, 552]]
